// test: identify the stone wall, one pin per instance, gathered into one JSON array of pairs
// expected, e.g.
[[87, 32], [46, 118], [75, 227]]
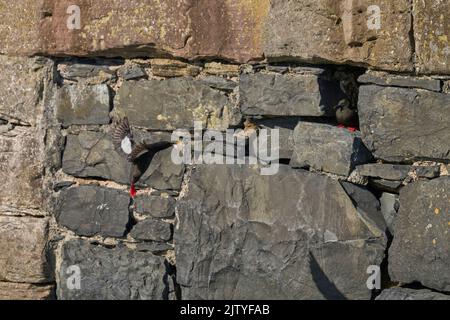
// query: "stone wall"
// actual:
[[341, 201]]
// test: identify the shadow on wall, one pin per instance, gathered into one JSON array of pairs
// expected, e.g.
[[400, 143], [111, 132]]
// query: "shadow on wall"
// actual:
[[323, 283]]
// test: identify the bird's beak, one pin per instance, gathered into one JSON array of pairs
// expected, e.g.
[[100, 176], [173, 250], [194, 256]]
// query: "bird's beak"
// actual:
[[178, 145]]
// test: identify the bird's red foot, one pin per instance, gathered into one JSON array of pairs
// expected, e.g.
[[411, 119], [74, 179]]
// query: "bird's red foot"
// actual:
[[351, 129], [132, 191]]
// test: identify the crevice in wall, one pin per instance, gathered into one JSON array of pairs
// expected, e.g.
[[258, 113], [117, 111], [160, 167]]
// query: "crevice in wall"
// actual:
[[172, 289], [386, 281], [418, 286]]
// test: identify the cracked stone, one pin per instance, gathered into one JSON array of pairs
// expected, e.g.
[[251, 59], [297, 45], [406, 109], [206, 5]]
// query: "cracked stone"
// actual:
[[237, 238], [23, 247], [92, 210], [396, 128], [328, 148], [152, 230], [173, 68], [309, 94], [386, 79], [173, 104], [384, 171], [322, 31], [82, 104], [81, 71], [25, 291], [112, 273], [22, 161], [22, 81], [155, 206], [420, 250], [131, 72]]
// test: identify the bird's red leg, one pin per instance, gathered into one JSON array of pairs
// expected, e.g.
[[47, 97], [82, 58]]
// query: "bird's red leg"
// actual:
[[351, 129], [132, 191]]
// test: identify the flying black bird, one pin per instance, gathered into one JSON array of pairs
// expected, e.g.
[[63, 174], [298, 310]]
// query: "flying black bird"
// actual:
[[140, 155]]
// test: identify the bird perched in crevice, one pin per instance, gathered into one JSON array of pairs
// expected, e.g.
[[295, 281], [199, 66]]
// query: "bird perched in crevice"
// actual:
[[346, 111], [140, 155], [346, 116]]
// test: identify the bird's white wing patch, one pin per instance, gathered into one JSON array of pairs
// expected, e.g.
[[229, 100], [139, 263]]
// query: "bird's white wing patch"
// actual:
[[126, 145]]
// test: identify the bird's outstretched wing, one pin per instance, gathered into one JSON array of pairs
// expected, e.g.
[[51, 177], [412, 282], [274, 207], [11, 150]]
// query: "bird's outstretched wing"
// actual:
[[122, 137], [152, 148], [137, 151]]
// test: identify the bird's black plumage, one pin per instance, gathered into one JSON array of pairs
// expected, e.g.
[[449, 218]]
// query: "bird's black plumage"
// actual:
[[345, 115], [139, 154]]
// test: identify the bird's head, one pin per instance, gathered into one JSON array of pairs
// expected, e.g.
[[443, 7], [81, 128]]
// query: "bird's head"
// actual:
[[343, 103]]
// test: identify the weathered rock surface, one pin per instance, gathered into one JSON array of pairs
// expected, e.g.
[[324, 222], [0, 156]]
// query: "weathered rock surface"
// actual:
[[131, 72], [386, 79], [296, 234], [217, 68], [173, 104], [23, 250], [384, 171], [428, 172], [238, 238], [81, 104], [420, 250], [189, 29], [411, 294], [91, 210], [79, 72], [153, 246], [285, 127], [328, 148], [314, 31], [148, 27], [22, 170], [386, 185], [19, 26], [163, 174], [338, 32], [399, 124], [92, 154], [366, 203], [446, 86], [111, 273], [226, 29], [173, 68], [25, 291], [219, 83], [152, 230], [157, 207], [22, 82], [432, 36], [288, 95]]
